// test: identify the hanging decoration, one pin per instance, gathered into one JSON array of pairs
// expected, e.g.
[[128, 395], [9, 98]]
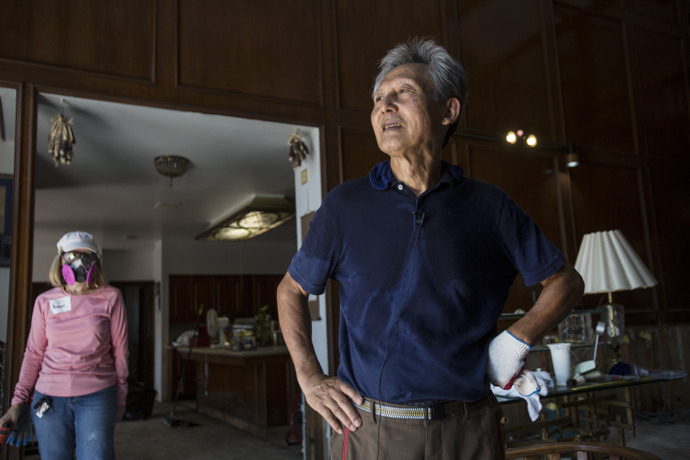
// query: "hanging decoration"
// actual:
[[298, 150], [60, 139]]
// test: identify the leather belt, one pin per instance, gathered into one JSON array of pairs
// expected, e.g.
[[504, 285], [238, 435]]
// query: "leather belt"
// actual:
[[430, 412]]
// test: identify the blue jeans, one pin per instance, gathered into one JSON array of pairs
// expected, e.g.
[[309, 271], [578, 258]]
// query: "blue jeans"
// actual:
[[85, 423]]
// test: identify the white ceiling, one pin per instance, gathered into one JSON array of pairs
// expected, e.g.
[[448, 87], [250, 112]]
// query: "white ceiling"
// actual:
[[111, 187]]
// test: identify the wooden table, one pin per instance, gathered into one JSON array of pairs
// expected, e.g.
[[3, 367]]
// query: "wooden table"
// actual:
[[251, 390]]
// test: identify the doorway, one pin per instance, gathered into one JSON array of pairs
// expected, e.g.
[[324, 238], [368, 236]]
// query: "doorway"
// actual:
[[146, 224]]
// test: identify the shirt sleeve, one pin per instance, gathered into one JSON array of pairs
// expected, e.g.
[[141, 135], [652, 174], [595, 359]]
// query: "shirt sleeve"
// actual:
[[315, 261], [33, 355], [534, 255], [120, 347]]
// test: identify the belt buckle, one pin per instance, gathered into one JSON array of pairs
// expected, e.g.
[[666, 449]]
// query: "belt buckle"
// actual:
[[435, 411]]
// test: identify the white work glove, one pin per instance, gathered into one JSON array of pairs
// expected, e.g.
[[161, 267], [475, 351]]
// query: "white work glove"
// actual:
[[506, 359], [530, 386], [526, 383]]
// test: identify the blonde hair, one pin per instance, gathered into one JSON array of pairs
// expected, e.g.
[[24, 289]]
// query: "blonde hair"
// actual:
[[57, 280]]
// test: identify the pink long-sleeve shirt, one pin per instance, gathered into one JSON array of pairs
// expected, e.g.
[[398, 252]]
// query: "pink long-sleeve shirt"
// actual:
[[77, 345]]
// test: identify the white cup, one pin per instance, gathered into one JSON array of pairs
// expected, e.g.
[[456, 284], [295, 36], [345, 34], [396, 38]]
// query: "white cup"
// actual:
[[560, 356]]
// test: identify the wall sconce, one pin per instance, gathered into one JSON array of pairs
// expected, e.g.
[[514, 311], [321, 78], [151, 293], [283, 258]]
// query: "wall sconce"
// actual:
[[513, 137], [572, 159], [259, 216]]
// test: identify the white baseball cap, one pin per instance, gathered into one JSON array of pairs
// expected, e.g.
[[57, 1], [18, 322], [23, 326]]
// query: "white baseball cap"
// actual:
[[76, 240]]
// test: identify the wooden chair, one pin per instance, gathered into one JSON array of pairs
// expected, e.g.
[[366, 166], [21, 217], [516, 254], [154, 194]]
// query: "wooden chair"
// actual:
[[580, 450]]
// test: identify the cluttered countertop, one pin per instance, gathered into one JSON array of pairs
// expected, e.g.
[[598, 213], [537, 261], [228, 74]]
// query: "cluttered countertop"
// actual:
[[227, 351], [254, 336]]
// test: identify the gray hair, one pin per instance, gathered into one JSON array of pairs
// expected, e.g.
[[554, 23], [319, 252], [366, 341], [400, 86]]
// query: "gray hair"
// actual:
[[445, 72]]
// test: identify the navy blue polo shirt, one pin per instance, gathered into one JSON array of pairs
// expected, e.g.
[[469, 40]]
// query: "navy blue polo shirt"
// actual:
[[423, 279]]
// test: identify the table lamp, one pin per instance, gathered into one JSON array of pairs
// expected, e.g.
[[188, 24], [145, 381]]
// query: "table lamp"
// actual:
[[608, 263]]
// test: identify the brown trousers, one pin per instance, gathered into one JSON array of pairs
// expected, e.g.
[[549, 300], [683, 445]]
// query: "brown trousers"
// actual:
[[472, 435]]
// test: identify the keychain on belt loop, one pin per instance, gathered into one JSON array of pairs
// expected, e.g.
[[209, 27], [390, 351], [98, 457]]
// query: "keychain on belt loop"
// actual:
[[43, 405]]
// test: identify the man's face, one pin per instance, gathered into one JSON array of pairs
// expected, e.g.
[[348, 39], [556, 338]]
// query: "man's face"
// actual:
[[405, 117]]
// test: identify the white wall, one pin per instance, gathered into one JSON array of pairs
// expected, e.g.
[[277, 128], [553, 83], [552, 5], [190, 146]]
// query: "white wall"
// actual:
[[4, 301], [7, 146], [224, 257], [9, 114], [160, 319], [43, 257], [122, 265], [308, 198]]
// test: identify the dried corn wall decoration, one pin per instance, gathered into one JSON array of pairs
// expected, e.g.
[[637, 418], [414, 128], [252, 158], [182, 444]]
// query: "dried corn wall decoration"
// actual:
[[298, 150], [60, 140]]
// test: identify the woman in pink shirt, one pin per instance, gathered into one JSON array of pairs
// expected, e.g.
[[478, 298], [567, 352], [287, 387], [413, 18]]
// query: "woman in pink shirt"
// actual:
[[76, 358]]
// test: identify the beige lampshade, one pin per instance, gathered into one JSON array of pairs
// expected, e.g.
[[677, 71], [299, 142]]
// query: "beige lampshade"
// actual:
[[608, 263]]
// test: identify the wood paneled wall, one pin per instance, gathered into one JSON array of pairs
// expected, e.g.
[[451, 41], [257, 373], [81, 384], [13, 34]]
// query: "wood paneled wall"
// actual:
[[609, 76]]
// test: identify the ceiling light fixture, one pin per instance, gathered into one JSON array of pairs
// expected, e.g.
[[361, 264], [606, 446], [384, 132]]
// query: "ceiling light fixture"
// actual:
[[571, 158], [259, 216], [529, 139], [171, 166]]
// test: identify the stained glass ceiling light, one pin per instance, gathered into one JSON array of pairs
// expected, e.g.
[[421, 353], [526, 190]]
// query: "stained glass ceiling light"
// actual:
[[259, 216]]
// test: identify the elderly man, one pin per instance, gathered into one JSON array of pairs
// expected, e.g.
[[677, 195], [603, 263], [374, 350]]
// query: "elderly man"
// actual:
[[425, 258]]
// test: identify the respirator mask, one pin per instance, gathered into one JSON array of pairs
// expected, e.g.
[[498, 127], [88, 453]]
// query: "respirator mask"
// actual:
[[79, 267]]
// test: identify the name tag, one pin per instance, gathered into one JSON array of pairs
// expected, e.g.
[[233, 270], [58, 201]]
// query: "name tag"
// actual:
[[62, 305]]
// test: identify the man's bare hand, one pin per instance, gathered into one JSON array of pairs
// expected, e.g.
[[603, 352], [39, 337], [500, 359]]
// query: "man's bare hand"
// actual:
[[328, 396], [332, 399]]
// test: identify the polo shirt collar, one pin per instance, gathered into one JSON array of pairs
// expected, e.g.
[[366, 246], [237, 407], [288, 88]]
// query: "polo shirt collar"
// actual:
[[381, 177]]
